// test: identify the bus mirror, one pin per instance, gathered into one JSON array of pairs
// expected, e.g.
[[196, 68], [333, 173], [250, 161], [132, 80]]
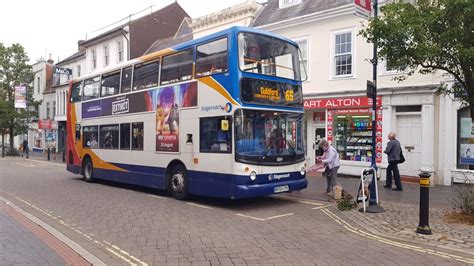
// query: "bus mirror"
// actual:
[[224, 125]]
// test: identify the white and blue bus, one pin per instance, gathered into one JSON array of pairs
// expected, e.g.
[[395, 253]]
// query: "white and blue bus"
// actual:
[[218, 116]]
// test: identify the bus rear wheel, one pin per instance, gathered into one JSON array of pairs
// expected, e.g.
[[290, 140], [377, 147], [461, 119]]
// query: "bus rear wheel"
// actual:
[[87, 170], [178, 183]]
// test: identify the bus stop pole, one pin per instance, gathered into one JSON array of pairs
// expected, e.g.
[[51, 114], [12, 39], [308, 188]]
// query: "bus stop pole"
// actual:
[[373, 200]]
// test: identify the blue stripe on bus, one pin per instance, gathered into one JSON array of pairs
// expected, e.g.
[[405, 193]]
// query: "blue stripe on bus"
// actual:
[[205, 183]]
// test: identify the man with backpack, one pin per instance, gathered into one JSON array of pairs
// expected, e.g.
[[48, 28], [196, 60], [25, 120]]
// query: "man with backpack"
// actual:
[[394, 153]]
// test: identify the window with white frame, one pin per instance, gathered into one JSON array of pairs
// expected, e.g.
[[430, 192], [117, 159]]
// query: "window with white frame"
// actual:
[[120, 51], [48, 110], [78, 70], [94, 59], [304, 66], [106, 55], [343, 54], [38, 84], [286, 3]]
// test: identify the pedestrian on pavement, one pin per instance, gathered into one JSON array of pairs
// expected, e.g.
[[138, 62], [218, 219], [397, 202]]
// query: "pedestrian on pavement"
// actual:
[[26, 148], [330, 159], [393, 150]]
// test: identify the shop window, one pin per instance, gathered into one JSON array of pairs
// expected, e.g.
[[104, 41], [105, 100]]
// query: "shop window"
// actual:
[[125, 136], [137, 136], [215, 135], [90, 137], [465, 143], [145, 75], [110, 84], [126, 79], [211, 58], [91, 88], [353, 137], [177, 67], [109, 136]]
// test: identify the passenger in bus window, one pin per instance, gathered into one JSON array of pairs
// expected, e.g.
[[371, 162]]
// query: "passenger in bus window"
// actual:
[[93, 143]]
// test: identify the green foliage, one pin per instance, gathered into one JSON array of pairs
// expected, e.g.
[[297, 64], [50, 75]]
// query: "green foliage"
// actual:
[[428, 36], [14, 70], [346, 202]]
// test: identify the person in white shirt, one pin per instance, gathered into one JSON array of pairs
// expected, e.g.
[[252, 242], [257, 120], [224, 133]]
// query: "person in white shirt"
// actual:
[[330, 159]]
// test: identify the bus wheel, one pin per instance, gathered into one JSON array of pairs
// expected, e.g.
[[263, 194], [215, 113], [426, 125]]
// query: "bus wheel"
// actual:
[[87, 170], [178, 186]]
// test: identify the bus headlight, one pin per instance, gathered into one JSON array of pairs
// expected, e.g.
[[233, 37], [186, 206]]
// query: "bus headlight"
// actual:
[[303, 171], [253, 175]]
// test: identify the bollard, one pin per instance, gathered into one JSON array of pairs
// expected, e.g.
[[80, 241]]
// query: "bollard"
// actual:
[[423, 226], [49, 154], [64, 155]]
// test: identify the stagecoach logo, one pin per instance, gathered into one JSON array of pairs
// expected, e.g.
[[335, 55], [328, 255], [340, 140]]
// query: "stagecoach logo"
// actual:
[[227, 108], [120, 107], [278, 176]]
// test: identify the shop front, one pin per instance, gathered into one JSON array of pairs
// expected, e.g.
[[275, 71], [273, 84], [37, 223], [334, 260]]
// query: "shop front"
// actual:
[[347, 124], [46, 136]]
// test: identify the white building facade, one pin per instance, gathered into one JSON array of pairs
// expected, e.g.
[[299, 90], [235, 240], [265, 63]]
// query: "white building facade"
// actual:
[[338, 66]]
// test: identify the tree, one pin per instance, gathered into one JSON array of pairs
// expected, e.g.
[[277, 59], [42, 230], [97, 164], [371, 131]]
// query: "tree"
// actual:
[[429, 36], [14, 70]]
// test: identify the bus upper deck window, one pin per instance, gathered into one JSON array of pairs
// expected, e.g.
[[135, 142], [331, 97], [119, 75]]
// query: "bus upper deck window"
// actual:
[[211, 58]]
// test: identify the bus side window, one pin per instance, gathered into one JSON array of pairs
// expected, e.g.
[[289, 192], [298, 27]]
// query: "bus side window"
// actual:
[[214, 135], [126, 79], [125, 136], [145, 75], [137, 136], [211, 58], [78, 132], [76, 92], [177, 67], [110, 84]]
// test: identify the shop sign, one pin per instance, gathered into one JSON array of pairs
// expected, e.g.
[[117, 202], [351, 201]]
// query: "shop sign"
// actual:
[[340, 103], [46, 124], [363, 8]]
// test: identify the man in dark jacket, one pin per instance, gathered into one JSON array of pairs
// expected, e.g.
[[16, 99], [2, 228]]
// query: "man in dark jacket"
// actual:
[[393, 152], [26, 148]]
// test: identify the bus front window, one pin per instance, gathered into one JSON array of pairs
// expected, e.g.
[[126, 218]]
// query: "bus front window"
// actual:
[[268, 137], [268, 55]]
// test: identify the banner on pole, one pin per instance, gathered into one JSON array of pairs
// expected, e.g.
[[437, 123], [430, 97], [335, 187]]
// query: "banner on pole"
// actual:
[[20, 97]]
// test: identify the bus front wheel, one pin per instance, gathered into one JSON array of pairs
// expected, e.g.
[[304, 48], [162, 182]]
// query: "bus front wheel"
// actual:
[[87, 170], [178, 184]]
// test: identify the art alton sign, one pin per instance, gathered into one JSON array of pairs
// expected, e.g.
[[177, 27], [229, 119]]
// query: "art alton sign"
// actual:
[[340, 103]]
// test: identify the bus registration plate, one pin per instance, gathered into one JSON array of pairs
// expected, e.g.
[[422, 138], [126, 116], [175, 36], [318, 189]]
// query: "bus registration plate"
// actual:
[[281, 189]]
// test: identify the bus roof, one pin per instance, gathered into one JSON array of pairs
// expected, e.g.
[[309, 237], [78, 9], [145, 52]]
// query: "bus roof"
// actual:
[[155, 55]]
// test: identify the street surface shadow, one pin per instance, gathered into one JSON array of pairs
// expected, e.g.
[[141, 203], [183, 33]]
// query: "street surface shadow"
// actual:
[[231, 204]]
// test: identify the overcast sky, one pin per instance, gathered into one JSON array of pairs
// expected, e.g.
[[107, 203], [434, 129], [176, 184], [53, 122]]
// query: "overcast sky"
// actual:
[[53, 27]]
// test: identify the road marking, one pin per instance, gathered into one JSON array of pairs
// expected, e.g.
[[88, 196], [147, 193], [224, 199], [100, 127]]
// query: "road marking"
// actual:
[[199, 205], [155, 196], [321, 207], [132, 260], [251, 217], [387, 241], [279, 216], [309, 202], [263, 219], [40, 161]]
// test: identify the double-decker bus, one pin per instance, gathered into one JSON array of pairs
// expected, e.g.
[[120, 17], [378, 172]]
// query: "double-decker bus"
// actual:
[[218, 116]]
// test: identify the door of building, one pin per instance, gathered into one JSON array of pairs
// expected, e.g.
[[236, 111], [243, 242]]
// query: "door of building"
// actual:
[[319, 133], [409, 133]]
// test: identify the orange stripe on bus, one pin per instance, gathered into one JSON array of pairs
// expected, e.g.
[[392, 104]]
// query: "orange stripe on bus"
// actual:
[[96, 160], [155, 55], [209, 81]]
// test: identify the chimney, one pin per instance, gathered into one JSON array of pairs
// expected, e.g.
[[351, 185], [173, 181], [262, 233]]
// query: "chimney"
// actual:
[[50, 60], [80, 47]]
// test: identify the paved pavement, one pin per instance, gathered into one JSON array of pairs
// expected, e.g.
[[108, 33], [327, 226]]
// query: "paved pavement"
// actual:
[[129, 225], [19, 246]]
